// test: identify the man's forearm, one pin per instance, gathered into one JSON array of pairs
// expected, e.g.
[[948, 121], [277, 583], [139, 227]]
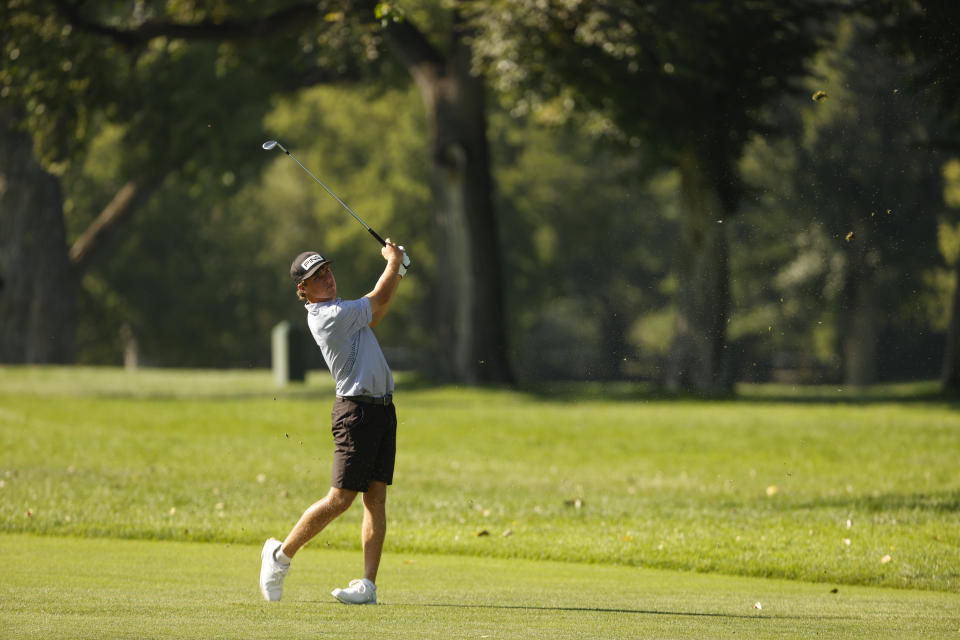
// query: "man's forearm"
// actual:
[[383, 292]]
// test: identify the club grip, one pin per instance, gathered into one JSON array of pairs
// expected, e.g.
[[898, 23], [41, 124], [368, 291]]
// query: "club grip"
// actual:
[[377, 236]]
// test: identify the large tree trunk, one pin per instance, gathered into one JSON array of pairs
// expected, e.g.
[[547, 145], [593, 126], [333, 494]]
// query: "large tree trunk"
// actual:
[[613, 341], [698, 360], [469, 324], [860, 320], [39, 274], [861, 334], [38, 286], [950, 379]]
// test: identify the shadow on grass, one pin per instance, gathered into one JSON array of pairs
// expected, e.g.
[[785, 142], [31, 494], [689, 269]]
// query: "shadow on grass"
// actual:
[[319, 385], [231, 385], [926, 392], [937, 501], [642, 612]]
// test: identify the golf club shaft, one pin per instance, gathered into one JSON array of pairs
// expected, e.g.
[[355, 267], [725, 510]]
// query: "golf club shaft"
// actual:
[[335, 197]]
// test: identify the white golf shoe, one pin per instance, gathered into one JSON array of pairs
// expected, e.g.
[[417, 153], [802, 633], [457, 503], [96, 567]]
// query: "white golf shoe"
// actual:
[[359, 592], [272, 572]]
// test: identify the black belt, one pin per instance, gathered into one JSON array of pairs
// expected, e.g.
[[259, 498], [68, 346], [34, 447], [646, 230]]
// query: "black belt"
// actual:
[[379, 400]]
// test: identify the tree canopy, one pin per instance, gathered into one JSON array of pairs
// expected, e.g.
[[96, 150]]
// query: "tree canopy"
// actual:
[[687, 193]]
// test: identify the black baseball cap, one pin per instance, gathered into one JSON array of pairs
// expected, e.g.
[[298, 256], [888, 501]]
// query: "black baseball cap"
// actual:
[[306, 264]]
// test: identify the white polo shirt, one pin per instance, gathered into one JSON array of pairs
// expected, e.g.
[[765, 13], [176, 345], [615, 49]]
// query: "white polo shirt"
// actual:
[[349, 346]]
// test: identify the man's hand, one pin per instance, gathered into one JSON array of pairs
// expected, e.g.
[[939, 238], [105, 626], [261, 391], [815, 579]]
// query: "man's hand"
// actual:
[[389, 252], [382, 294], [392, 252]]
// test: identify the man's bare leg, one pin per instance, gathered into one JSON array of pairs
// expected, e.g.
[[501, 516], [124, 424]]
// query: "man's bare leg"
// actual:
[[374, 528], [316, 518]]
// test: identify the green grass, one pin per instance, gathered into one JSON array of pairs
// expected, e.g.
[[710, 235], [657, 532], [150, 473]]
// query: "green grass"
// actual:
[[834, 487], [91, 588]]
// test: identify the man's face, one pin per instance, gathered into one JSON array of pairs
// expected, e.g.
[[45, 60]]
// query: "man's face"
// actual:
[[321, 286]]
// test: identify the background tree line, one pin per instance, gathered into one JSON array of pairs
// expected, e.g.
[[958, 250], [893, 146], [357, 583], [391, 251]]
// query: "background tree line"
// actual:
[[686, 193]]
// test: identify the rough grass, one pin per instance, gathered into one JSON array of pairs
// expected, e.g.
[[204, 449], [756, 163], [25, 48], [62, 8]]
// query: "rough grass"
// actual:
[[830, 486]]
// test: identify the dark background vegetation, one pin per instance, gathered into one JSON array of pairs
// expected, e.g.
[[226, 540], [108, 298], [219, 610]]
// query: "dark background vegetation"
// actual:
[[691, 194]]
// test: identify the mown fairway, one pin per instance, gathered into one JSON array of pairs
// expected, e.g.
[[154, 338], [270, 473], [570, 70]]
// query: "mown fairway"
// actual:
[[103, 588], [831, 488]]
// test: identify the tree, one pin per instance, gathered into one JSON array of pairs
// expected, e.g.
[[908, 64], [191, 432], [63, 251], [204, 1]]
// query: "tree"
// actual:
[[36, 279], [871, 168], [927, 32], [687, 82], [586, 237], [303, 44], [470, 318], [45, 92], [852, 192]]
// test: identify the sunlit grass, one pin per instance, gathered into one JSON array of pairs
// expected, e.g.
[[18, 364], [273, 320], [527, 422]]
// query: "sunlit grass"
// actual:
[[104, 588], [863, 491]]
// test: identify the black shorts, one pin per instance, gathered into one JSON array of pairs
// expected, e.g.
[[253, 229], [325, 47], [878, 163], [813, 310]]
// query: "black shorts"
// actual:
[[365, 444]]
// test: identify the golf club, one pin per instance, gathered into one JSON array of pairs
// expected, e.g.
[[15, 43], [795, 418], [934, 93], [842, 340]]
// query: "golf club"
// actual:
[[270, 144]]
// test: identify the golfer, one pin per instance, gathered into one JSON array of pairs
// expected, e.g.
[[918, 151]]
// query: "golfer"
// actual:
[[364, 419]]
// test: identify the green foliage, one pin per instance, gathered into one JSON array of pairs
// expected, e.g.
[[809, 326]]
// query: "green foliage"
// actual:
[[772, 486], [851, 198], [925, 34], [688, 84], [367, 148], [583, 236], [666, 75], [184, 80], [61, 76], [188, 90], [201, 275]]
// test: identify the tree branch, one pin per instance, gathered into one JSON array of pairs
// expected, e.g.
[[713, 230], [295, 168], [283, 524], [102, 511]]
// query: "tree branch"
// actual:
[[206, 29], [411, 46], [124, 203]]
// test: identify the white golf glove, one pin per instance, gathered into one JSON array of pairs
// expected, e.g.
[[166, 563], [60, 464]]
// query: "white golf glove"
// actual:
[[406, 262]]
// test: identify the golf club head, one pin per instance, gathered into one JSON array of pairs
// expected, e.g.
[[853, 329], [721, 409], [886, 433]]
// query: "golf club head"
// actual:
[[270, 144]]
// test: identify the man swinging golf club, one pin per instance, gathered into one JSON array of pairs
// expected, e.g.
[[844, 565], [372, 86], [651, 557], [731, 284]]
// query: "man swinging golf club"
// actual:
[[364, 418]]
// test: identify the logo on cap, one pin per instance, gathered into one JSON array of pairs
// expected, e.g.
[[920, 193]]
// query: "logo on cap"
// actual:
[[309, 262]]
